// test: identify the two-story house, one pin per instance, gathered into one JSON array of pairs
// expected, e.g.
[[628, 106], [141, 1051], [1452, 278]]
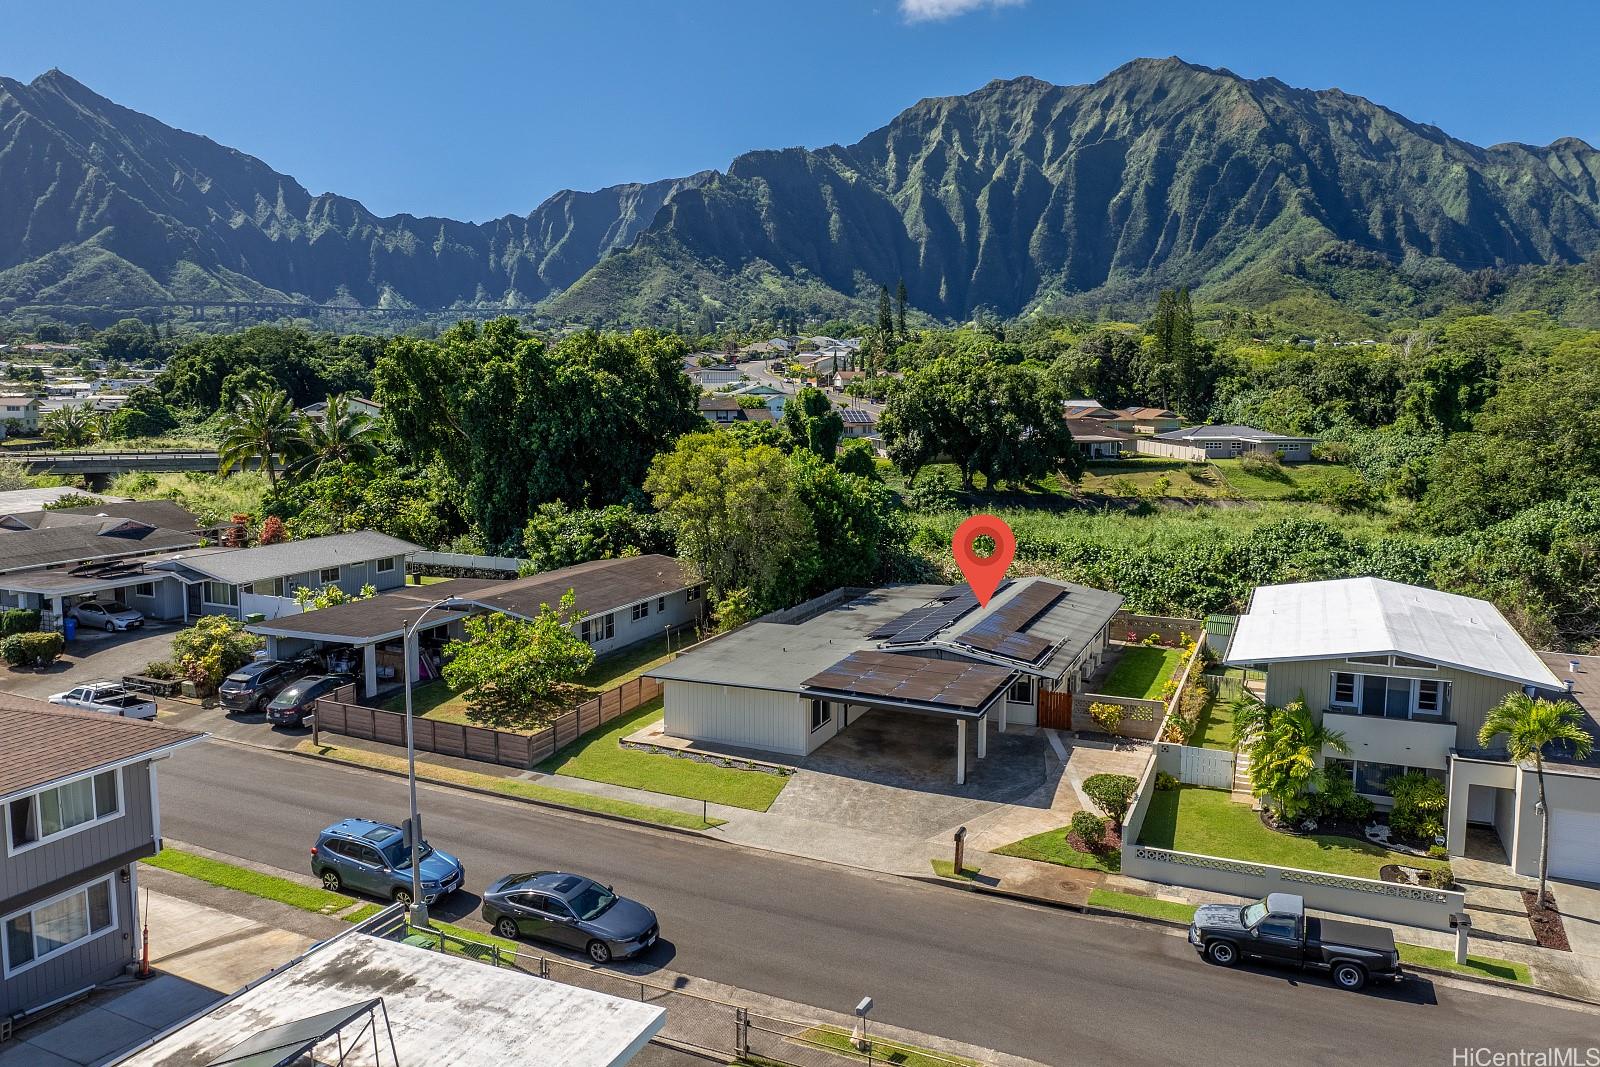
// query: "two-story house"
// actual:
[[1408, 676], [18, 412], [78, 791], [242, 582]]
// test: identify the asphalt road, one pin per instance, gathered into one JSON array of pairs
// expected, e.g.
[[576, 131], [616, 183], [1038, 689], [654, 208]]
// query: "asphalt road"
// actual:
[[1030, 981]]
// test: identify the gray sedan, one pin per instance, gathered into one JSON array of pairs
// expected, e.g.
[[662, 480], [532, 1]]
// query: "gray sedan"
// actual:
[[109, 616], [569, 910]]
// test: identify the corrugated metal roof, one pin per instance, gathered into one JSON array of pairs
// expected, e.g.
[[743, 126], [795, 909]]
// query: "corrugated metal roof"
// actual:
[[1371, 616]]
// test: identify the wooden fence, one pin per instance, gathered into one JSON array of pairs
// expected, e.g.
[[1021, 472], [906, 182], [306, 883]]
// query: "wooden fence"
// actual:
[[340, 714]]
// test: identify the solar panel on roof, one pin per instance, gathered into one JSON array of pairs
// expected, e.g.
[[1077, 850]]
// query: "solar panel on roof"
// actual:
[[1001, 632]]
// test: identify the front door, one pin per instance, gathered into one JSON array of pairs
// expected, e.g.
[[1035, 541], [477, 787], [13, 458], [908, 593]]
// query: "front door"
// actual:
[[1055, 709]]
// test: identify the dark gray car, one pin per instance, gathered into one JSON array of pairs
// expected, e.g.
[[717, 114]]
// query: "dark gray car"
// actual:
[[570, 910], [249, 688]]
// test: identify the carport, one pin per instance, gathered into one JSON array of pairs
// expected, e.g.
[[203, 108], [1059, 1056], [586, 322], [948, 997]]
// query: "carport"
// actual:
[[955, 691], [52, 592], [369, 626]]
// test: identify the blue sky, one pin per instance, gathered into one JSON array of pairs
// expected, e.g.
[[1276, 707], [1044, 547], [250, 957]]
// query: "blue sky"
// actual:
[[475, 109]]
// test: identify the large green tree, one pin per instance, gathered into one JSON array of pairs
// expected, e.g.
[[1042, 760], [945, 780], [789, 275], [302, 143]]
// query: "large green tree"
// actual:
[[812, 424], [262, 429], [512, 670], [519, 422]]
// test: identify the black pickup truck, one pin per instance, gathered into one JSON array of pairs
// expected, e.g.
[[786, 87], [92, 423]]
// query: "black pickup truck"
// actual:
[[1277, 930]]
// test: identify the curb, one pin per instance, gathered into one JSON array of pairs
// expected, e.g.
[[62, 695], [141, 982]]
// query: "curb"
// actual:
[[549, 804], [1171, 924]]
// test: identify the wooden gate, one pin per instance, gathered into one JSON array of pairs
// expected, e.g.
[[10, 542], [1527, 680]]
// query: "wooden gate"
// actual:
[[1055, 709]]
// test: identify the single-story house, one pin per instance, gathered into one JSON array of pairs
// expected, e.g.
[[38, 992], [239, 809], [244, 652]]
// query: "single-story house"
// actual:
[[241, 582], [771, 395], [356, 405], [724, 409], [624, 601], [710, 377], [789, 682], [1408, 676], [1200, 443], [1100, 442], [1148, 420], [79, 794], [858, 422], [841, 379]]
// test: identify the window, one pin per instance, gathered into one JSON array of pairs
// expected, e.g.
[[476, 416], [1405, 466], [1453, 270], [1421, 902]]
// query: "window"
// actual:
[[821, 714], [327, 575], [48, 929], [694, 593], [1021, 691], [1380, 661], [270, 587], [1374, 778], [145, 589], [1344, 689], [1277, 926], [222, 593], [641, 610], [599, 628], [1389, 697], [1414, 664], [63, 809], [1433, 697], [386, 566], [661, 604]]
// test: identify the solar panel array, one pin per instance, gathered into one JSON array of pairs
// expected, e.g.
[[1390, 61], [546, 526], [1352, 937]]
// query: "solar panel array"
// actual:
[[1001, 633], [921, 624], [913, 679]]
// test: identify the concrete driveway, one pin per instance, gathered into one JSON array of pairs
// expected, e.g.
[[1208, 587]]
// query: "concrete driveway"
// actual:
[[94, 655]]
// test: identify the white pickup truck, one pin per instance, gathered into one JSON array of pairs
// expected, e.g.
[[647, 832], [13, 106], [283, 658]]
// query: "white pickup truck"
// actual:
[[110, 698]]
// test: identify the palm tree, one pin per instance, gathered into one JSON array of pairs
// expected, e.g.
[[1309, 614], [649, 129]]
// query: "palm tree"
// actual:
[[342, 435], [1530, 727], [69, 427], [1285, 746], [262, 427]]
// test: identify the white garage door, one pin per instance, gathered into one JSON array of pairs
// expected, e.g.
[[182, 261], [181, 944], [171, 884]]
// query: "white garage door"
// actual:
[[1575, 845]]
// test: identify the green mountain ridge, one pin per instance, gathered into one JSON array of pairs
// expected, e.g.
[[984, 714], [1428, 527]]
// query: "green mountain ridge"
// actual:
[[1017, 197]]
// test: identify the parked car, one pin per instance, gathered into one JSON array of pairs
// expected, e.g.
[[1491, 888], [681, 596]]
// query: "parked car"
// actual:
[[297, 699], [570, 910], [107, 615], [371, 857], [109, 698], [1278, 930], [249, 688]]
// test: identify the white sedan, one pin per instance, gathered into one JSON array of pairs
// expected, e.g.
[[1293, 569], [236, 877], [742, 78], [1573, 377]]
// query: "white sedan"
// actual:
[[109, 616]]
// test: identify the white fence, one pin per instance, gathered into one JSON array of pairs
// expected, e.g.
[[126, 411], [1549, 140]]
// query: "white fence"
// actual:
[[1209, 767], [466, 562]]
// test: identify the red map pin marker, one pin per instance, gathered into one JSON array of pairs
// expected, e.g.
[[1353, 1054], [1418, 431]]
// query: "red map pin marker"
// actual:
[[984, 575]]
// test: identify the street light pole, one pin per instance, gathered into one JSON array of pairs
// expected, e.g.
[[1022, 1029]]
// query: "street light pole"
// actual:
[[419, 908]]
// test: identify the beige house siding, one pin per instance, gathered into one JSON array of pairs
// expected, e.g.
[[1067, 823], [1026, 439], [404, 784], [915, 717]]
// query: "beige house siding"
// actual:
[[1471, 695]]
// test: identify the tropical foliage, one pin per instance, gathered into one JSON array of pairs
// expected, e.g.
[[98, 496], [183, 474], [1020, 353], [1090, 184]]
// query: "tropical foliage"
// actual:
[[213, 648], [512, 670], [1285, 746]]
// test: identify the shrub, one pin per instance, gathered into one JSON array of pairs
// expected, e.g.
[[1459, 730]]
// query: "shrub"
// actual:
[[1338, 799], [1112, 793], [1090, 829], [162, 669], [1419, 803], [213, 648], [1444, 876], [931, 492], [18, 621], [1106, 716], [1438, 852], [32, 649], [1165, 782]]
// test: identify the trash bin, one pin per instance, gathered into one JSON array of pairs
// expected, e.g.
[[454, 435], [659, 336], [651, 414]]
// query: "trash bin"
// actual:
[[69, 627]]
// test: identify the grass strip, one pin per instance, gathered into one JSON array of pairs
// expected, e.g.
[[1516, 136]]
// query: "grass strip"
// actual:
[[1419, 955], [600, 757], [1052, 846], [513, 787], [892, 1052], [244, 880], [947, 869], [363, 913]]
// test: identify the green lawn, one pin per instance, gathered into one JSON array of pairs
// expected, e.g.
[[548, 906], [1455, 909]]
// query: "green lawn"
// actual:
[[1052, 847], [1142, 671], [515, 787], [1142, 477], [1282, 483], [599, 757], [1148, 907], [439, 702], [947, 869], [267, 886], [1210, 823], [1215, 728]]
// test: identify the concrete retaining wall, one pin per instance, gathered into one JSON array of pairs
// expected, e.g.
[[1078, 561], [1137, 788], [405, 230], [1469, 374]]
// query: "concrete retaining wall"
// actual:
[[1168, 629]]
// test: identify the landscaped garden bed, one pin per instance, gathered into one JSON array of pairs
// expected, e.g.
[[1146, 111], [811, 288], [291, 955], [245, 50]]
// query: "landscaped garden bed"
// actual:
[[1548, 928]]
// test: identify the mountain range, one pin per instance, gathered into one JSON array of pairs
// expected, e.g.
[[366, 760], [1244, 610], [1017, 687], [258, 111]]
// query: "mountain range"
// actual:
[[1020, 195]]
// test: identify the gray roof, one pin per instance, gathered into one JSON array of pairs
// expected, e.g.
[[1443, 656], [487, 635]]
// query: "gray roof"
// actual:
[[41, 743], [109, 538], [1069, 625], [1224, 433], [164, 513], [598, 587], [378, 618], [241, 566]]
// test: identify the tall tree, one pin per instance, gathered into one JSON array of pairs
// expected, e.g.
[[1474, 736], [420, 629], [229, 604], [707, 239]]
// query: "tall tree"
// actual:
[[900, 309], [262, 428], [1531, 727], [342, 435], [69, 427], [512, 669], [885, 314], [812, 424]]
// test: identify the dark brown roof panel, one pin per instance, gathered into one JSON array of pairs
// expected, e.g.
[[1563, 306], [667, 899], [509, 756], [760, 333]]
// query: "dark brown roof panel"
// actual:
[[951, 685], [42, 743]]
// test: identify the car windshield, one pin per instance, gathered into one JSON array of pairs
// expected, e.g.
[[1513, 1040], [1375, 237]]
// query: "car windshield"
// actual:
[[1251, 914], [395, 852], [289, 697], [591, 901]]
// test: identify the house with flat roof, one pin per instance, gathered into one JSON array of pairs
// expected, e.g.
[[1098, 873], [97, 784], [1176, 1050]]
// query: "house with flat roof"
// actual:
[[78, 790], [623, 601], [789, 683], [1200, 443], [1408, 676]]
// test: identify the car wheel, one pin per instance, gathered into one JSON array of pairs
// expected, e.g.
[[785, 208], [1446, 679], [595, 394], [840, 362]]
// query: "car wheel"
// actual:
[[507, 928], [1349, 976], [1222, 953], [600, 952], [111, 627], [331, 881], [402, 896]]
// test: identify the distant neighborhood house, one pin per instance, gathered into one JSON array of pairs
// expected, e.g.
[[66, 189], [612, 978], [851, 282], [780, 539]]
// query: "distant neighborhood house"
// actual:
[[1200, 443]]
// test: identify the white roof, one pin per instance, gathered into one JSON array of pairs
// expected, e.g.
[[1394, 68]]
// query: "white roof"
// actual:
[[18, 501], [442, 1008], [1371, 616]]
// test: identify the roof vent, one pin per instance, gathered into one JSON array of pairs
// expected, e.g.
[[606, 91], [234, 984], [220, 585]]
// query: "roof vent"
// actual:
[[1574, 666], [1570, 683]]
